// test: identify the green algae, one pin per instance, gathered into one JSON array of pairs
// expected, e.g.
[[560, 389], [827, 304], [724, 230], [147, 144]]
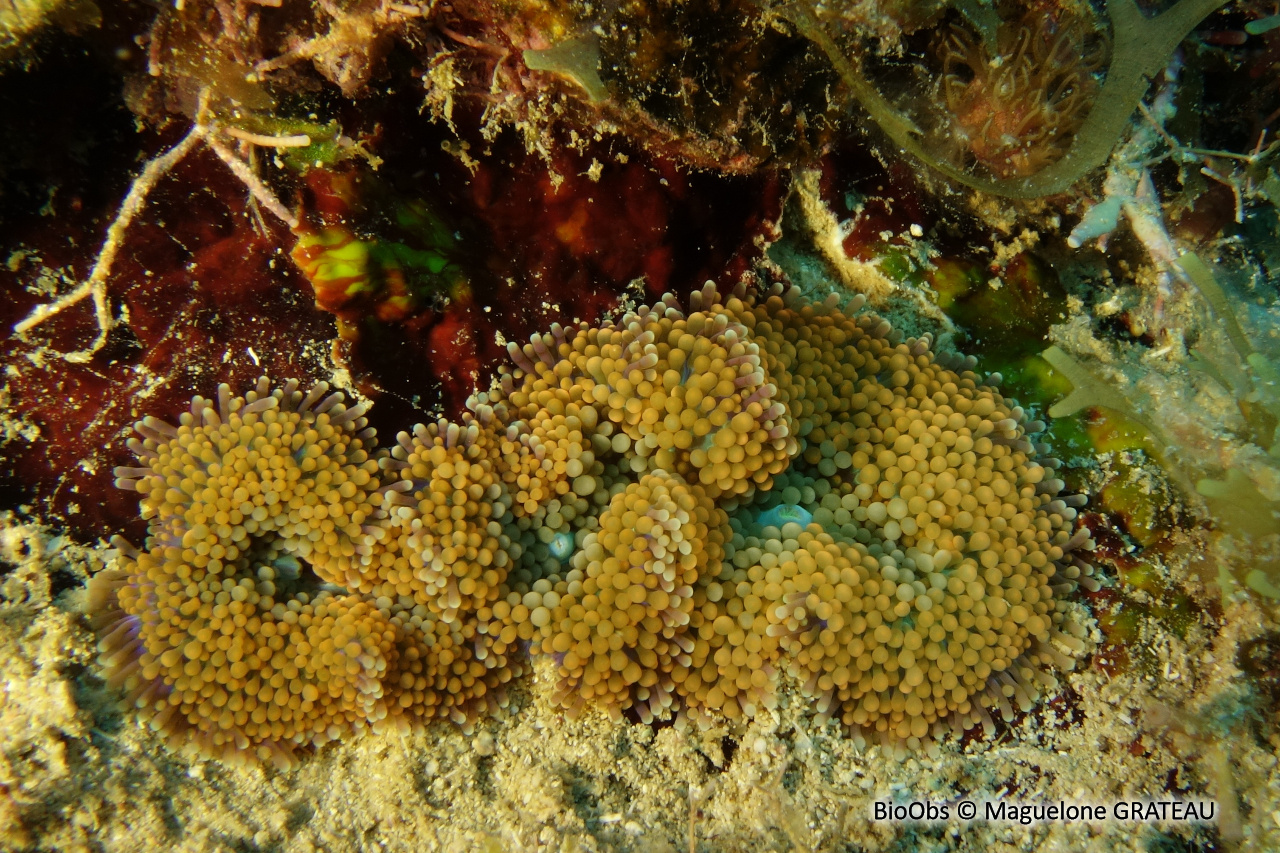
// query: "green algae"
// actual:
[[577, 59], [1007, 319], [1087, 389], [1005, 324], [1237, 493], [383, 259]]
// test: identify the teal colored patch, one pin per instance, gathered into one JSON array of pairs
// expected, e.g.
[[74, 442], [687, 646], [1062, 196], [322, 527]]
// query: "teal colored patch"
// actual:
[[562, 546], [784, 514]]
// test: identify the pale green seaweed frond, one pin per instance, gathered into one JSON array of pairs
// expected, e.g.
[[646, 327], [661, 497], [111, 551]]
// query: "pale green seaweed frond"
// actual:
[[1240, 486], [1087, 389]]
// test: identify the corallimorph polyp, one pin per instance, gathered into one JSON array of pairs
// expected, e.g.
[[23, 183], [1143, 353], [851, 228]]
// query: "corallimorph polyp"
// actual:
[[679, 512], [214, 630]]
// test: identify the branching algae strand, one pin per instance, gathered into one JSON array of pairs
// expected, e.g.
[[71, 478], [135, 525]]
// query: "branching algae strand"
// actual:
[[1141, 47]]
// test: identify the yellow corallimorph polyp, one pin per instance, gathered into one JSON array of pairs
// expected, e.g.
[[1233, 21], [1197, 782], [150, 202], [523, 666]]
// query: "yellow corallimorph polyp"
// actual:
[[928, 589], [202, 630], [438, 560], [683, 394], [447, 506], [617, 624], [960, 543]]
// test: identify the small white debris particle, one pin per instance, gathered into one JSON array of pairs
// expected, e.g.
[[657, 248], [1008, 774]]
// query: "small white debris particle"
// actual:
[[483, 744]]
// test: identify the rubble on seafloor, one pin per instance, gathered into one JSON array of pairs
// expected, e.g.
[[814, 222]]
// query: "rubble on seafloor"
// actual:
[[1079, 198]]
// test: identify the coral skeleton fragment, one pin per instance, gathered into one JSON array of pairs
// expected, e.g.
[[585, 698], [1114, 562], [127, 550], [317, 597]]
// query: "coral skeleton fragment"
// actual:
[[679, 511]]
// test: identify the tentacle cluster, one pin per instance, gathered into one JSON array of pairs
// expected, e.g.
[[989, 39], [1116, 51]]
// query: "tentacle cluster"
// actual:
[[619, 629], [213, 630], [680, 511]]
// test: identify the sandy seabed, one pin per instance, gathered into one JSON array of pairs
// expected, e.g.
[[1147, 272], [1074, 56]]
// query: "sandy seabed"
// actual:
[[78, 773]]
